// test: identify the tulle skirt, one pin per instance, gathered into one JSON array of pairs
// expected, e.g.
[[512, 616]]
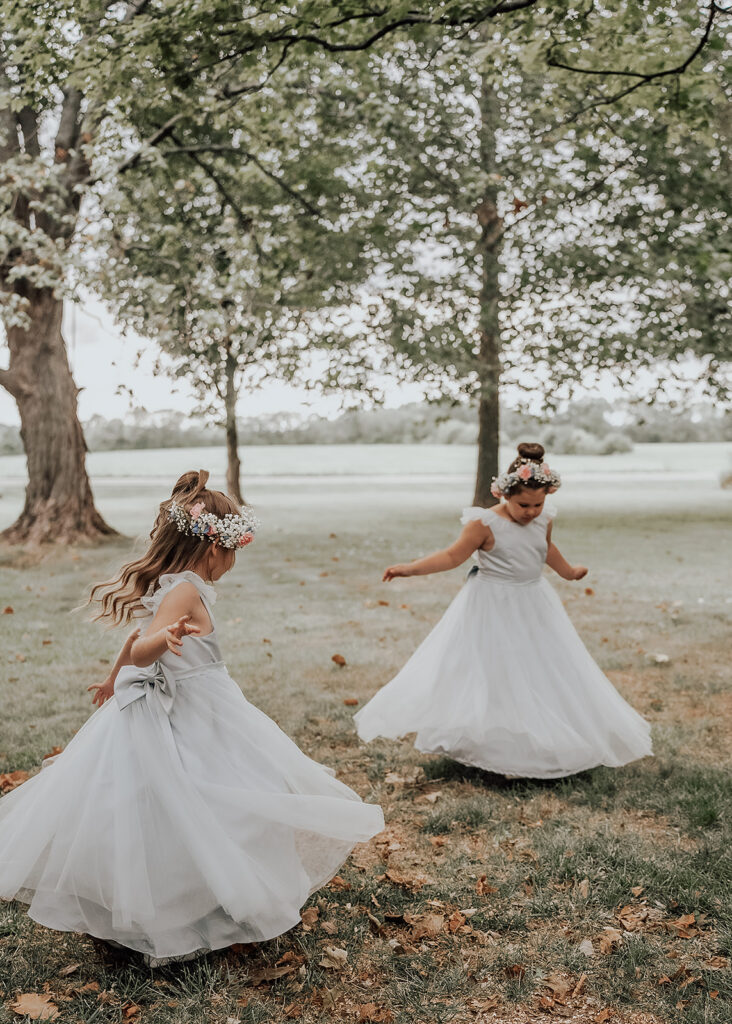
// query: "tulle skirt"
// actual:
[[179, 831], [503, 682]]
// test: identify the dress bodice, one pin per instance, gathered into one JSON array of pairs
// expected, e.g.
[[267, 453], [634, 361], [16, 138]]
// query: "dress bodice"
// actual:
[[196, 651], [519, 552]]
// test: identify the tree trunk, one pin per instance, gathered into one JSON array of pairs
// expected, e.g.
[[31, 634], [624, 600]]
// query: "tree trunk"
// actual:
[[59, 505], [489, 366], [233, 465]]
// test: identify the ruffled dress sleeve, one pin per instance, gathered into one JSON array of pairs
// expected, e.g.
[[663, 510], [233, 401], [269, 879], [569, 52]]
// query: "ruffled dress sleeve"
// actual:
[[477, 513], [153, 599]]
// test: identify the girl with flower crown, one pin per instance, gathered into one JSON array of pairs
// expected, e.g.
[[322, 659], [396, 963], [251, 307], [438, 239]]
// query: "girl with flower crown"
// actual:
[[179, 818], [503, 682]]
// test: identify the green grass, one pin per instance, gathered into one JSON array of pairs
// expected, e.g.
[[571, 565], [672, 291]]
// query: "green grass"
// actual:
[[560, 858]]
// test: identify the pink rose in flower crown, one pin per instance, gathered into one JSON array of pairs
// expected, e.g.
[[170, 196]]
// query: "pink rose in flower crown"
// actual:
[[197, 509], [524, 473], [545, 468], [495, 490], [246, 539]]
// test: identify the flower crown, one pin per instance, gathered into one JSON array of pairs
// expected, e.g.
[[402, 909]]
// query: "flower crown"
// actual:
[[529, 469], [233, 531]]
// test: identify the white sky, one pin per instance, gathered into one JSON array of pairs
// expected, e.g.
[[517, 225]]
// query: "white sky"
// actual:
[[103, 361]]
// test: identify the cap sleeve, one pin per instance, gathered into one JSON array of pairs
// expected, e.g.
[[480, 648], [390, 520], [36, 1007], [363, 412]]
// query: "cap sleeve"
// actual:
[[477, 514], [153, 599]]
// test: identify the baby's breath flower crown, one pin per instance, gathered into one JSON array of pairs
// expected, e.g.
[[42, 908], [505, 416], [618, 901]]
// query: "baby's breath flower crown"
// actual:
[[505, 484], [233, 531]]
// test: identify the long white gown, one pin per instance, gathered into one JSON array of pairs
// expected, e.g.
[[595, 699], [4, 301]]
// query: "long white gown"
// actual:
[[179, 818], [503, 682]]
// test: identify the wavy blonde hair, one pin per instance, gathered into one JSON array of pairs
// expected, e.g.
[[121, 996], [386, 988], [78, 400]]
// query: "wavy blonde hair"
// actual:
[[169, 551]]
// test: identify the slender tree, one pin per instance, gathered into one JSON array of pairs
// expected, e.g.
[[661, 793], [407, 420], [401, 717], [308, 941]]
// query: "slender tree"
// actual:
[[539, 222]]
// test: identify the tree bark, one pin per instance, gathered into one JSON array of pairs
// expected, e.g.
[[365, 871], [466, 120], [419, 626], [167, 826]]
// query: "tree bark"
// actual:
[[489, 359], [233, 465], [59, 505]]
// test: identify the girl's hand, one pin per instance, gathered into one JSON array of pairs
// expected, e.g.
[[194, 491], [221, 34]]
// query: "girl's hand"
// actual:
[[578, 572], [103, 692], [394, 571], [175, 632]]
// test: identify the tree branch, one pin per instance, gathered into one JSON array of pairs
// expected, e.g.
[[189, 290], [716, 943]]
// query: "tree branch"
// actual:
[[648, 76]]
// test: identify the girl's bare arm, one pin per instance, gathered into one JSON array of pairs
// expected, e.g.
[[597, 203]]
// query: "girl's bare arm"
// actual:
[[556, 561], [475, 535], [171, 623]]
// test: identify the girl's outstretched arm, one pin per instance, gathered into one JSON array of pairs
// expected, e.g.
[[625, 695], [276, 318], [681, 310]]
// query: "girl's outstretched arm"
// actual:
[[106, 689], [171, 623], [556, 561], [475, 535]]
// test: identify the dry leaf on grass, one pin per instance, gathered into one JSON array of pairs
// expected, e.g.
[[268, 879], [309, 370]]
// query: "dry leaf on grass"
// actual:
[[350, 702], [9, 780], [8, 610], [610, 939], [334, 958], [584, 888], [291, 957], [483, 1005], [371, 1013], [309, 918], [455, 921], [293, 1011], [412, 882], [339, 660], [36, 1005], [517, 971], [425, 926], [131, 1010], [339, 883], [483, 888], [267, 974], [66, 971]]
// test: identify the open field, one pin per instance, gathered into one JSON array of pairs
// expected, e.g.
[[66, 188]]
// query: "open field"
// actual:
[[605, 897]]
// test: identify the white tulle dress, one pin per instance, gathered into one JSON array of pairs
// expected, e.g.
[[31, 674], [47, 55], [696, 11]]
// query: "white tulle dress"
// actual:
[[179, 818], [503, 682]]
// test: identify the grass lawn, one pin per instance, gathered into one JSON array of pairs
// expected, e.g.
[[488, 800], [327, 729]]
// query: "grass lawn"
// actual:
[[603, 897]]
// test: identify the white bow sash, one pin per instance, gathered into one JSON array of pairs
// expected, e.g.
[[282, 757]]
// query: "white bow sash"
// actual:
[[156, 683]]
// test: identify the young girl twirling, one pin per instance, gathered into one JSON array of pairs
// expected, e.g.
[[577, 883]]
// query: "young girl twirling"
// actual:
[[503, 682], [179, 818]]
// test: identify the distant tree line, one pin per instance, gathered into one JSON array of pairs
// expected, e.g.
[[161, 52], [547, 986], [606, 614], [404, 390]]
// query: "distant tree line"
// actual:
[[587, 427]]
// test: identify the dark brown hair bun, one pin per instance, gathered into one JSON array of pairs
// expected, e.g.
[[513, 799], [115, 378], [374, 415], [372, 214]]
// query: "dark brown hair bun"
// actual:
[[531, 450]]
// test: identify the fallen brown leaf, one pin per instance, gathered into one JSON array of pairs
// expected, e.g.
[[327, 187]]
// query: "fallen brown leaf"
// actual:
[[515, 971], [425, 926], [339, 660], [36, 1005], [66, 971], [455, 921], [350, 702], [9, 780], [334, 958], [371, 1013], [270, 974], [309, 916], [483, 888]]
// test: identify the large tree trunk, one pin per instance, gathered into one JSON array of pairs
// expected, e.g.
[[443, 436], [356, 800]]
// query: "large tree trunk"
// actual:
[[58, 504], [233, 465], [489, 368]]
